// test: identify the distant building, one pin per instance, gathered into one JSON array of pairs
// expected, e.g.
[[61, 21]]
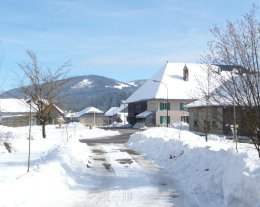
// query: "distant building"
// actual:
[[55, 116], [15, 113], [90, 116], [116, 114], [148, 104]]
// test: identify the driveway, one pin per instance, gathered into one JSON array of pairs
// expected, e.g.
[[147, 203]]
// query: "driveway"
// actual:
[[122, 177]]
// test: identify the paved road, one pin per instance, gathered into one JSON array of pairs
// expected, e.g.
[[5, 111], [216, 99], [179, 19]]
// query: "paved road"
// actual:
[[119, 139], [123, 177]]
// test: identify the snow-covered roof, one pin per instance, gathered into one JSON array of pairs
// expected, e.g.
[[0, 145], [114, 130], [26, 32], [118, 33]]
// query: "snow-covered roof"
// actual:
[[172, 76], [223, 95], [202, 102], [88, 110], [112, 111], [144, 114], [115, 110], [12, 105], [59, 109]]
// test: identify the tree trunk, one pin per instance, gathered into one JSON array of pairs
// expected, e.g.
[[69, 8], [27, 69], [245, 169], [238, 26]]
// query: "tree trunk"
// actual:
[[43, 130]]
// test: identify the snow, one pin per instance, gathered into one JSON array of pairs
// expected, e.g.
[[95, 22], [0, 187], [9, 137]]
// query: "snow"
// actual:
[[112, 111], [58, 173], [87, 111], [121, 85], [144, 114], [132, 83], [12, 105], [209, 174], [172, 77], [116, 110], [83, 84], [205, 173]]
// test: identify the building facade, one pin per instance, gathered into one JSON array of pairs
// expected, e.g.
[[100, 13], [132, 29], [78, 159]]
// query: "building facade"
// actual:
[[175, 82], [158, 112], [89, 116]]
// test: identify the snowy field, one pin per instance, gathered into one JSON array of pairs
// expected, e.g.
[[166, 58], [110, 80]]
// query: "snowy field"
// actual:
[[58, 166], [206, 174]]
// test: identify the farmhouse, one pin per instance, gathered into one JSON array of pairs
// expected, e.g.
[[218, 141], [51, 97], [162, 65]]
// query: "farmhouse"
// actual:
[[56, 115], [175, 83], [15, 112], [90, 116], [217, 118], [223, 108]]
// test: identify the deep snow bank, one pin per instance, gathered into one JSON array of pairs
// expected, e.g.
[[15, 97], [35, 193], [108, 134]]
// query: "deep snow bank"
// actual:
[[59, 166], [210, 174]]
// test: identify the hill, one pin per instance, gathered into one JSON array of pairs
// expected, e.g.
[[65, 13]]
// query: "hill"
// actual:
[[91, 90]]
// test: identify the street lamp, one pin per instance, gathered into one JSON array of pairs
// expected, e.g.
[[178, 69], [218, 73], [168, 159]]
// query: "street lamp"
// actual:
[[167, 101], [123, 102]]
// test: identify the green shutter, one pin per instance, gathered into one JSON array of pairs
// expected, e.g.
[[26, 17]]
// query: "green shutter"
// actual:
[[168, 119], [168, 106], [181, 106], [161, 105], [161, 119]]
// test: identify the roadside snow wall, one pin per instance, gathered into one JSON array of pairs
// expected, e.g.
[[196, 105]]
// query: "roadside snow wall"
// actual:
[[212, 173]]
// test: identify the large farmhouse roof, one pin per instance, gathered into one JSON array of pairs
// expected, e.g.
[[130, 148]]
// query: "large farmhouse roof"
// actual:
[[224, 94], [12, 105], [181, 80]]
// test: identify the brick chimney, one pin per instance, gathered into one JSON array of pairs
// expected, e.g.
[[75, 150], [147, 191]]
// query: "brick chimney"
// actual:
[[185, 73]]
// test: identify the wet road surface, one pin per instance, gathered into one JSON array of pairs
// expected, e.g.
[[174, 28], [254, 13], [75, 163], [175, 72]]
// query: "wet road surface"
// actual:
[[122, 177]]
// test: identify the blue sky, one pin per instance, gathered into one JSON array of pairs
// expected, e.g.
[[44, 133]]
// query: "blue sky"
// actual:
[[120, 39]]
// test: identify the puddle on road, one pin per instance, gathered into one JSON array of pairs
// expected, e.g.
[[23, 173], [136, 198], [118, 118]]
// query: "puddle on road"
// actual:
[[107, 166], [125, 161], [129, 151], [97, 151], [174, 194], [99, 159]]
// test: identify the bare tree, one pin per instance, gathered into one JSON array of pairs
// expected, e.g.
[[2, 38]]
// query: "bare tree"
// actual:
[[41, 86], [238, 44]]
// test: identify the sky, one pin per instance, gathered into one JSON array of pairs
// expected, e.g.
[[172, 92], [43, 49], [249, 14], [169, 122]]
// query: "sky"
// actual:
[[120, 39]]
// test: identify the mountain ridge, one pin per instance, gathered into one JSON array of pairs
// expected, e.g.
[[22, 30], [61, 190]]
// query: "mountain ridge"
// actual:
[[83, 91]]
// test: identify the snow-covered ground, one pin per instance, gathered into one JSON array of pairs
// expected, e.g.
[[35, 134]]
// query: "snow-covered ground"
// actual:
[[58, 170], [205, 174]]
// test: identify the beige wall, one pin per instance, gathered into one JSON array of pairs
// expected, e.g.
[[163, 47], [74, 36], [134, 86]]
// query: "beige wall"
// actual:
[[175, 113], [199, 115], [89, 120]]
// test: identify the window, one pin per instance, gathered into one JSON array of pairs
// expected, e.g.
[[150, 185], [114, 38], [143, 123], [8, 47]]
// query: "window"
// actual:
[[195, 123], [163, 106], [185, 119], [163, 119], [182, 106]]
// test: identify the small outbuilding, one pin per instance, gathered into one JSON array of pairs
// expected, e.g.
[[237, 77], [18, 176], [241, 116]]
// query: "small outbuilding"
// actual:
[[90, 116], [116, 114]]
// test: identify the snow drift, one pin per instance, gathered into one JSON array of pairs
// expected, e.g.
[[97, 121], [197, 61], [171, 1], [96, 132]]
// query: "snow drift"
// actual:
[[59, 166], [210, 174]]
